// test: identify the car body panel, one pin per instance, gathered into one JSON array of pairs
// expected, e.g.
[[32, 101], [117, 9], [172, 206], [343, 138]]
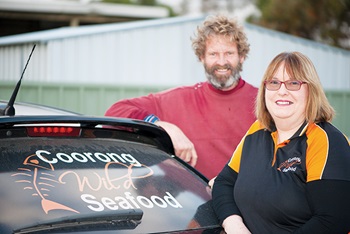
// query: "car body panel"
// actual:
[[112, 168], [25, 108]]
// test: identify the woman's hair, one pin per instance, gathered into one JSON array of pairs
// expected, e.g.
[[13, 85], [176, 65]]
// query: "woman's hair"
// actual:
[[220, 25], [298, 67]]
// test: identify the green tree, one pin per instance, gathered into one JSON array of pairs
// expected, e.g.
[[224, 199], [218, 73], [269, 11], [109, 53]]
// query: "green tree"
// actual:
[[326, 21], [118, 1], [144, 3]]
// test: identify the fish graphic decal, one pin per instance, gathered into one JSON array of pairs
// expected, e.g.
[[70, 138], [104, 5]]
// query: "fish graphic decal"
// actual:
[[39, 179]]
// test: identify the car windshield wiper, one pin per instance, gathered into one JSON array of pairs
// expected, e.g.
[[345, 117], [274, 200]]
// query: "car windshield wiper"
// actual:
[[115, 220]]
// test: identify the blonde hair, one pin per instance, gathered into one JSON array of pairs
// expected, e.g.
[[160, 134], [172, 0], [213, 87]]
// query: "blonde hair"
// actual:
[[220, 25], [301, 68]]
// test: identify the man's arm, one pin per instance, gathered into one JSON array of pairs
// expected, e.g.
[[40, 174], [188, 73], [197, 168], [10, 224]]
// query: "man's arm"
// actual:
[[146, 108], [135, 108], [184, 148]]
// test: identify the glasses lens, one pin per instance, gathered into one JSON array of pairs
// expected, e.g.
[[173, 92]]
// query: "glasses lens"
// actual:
[[273, 85], [292, 85]]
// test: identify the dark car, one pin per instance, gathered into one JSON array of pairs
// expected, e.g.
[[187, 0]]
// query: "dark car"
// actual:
[[61, 172]]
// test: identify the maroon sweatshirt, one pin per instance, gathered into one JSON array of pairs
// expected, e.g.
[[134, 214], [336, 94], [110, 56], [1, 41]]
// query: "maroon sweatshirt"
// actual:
[[214, 120]]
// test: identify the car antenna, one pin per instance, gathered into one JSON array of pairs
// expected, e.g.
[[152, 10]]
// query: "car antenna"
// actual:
[[9, 109]]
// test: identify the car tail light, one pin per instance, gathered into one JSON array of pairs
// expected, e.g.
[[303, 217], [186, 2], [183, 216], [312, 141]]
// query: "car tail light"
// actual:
[[52, 131]]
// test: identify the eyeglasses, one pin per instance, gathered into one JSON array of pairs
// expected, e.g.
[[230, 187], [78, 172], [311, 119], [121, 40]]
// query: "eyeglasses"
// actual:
[[291, 85]]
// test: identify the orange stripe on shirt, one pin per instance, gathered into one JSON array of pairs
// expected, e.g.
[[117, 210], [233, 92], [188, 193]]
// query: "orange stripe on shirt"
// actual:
[[317, 152], [236, 157]]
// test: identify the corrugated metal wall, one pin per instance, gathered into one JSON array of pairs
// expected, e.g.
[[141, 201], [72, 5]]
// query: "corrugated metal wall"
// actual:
[[139, 53], [332, 64], [150, 53], [95, 99], [86, 69]]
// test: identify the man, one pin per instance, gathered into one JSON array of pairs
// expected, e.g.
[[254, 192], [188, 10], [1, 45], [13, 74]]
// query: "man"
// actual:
[[207, 120]]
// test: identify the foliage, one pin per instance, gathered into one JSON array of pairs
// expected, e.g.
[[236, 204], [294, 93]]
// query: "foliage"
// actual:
[[326, 21], [144, 3], [134, 2], [118, 1]]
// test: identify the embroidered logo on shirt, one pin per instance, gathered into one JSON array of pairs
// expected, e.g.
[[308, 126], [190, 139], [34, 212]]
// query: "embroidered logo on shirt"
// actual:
[[289, 165]]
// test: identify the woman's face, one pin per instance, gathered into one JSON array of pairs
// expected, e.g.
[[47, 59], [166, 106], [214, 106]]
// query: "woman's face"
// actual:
[[285, 105]]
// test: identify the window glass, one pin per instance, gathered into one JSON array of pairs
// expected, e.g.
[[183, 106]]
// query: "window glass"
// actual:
[[43, 179]]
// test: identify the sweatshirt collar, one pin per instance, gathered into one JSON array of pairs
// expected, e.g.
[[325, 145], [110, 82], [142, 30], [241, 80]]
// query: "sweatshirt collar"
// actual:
[[222, 92]]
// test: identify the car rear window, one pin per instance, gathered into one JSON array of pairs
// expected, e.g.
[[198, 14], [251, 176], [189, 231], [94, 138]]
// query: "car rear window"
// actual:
[[44, 179]]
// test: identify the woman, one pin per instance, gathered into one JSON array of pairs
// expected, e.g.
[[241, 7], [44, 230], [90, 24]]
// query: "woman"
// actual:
[[291, 171]]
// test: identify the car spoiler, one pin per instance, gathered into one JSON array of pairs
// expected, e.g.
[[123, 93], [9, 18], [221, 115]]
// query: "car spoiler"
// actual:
[[159, 136]]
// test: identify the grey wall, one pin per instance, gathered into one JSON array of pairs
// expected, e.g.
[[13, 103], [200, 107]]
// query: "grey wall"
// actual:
[[150, 53]]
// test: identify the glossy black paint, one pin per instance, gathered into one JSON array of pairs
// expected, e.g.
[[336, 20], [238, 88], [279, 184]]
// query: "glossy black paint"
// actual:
[[90, 183]]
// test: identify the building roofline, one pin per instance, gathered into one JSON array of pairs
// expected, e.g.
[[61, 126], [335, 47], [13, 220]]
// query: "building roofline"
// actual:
[[83, 7], [68, 32]]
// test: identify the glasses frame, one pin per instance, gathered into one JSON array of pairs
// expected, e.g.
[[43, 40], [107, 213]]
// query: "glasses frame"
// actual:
[[285, 84]]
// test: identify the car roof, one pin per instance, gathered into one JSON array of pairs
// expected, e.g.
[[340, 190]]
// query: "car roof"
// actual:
[[26, 108]]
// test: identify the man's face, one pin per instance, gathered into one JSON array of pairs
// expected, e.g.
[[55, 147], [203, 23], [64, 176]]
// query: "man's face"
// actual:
[[222, 62]]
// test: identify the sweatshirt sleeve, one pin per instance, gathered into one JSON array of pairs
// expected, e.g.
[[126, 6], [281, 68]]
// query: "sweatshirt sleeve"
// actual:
[[223, 198], [135, 108], [330, 203]]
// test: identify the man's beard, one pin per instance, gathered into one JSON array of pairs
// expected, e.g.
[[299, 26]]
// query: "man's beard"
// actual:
[[223, 81]]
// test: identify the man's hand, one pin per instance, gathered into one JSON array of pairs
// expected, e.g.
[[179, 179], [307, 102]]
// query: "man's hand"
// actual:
[[184, 148]]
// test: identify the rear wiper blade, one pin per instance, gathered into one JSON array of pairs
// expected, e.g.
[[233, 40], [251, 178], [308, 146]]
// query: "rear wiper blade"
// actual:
[[114, 220]]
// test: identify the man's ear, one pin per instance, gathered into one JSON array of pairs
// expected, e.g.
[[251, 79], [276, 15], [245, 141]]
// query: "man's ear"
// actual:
[[242, 59]]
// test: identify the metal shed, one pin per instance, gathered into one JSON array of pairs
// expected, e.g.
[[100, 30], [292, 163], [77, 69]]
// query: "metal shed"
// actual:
[[86, 69], [150, 53]]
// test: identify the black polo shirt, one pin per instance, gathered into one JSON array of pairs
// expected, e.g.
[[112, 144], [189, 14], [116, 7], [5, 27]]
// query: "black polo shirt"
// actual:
[[270, 190]]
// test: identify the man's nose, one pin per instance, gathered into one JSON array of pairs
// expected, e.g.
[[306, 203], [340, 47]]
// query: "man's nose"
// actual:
[[222, 60]]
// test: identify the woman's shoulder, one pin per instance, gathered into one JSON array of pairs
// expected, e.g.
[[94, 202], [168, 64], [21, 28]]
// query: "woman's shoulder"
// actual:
[[255, 127], [328, 130]]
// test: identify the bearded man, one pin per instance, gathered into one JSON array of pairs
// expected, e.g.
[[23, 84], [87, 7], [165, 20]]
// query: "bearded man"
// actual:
[[205, 121]]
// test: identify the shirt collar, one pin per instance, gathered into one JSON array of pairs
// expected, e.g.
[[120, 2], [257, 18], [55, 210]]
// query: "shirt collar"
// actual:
[[301, 131], [239, 85]]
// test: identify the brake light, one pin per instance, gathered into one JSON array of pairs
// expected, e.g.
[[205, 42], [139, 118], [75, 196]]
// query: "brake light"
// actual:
[[52, 131]]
